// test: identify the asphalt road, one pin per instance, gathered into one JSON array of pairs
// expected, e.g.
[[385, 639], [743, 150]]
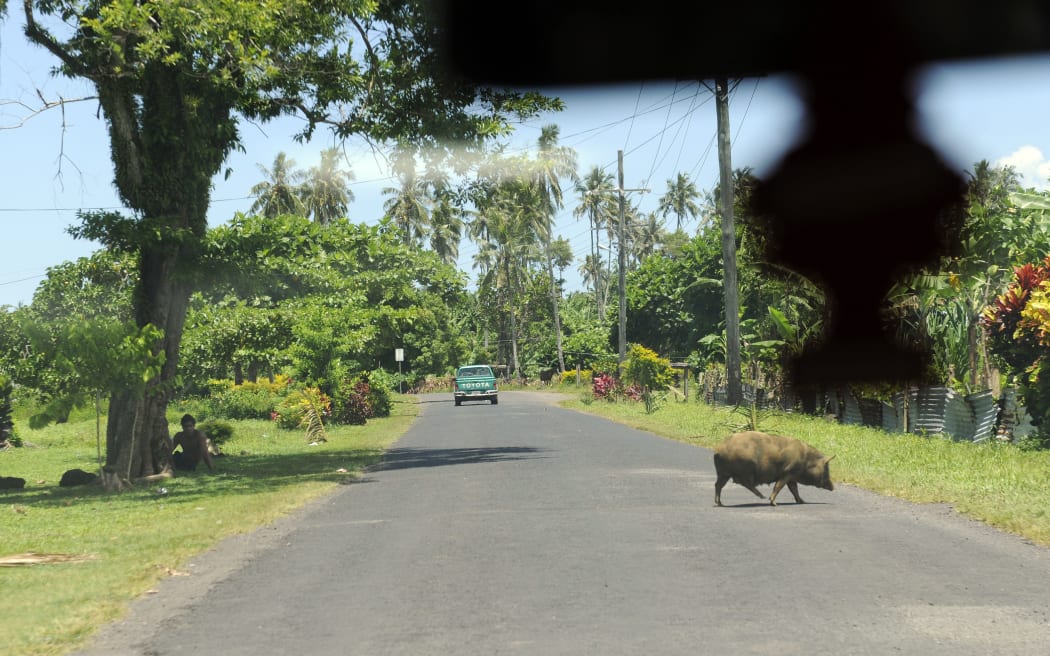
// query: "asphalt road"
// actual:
[[523, 528]]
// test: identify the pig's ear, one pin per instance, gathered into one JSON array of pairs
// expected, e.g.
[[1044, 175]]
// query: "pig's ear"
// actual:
[[828, 459]]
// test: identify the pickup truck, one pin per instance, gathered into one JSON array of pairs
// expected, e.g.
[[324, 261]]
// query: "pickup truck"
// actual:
[[475, 382]]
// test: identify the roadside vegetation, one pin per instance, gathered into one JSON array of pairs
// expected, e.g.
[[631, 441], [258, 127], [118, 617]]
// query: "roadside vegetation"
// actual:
[[119, 545], [993, 482]]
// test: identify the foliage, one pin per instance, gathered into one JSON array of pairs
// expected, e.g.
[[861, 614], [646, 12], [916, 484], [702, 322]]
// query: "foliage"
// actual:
[[7, 423], [750, 417], [1018, 323], [586, 338], [89, 356], [569, 376], [939, 309], [219, 432], [248, 400], [305, 408], [646, 377], [320, 301], [87, 301], [605, 387], [674, 300], [381, 388], [233, 338], [647, 369], [354, 405]]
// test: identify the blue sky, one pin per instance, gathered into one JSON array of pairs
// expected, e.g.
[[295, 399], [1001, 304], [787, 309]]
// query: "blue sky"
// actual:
[[995, 110]]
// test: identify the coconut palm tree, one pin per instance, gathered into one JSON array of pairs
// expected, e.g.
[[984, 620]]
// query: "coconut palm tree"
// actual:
[[648, 235], [553, 163], [597, 202], [681, 199], [446, 223], [507, 230], [280, 192], [326, 193], [409, 203]]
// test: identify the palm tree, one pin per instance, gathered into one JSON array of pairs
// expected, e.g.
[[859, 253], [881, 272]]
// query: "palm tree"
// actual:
[[594, 276], [681, 199], [408, 204], [280, 192], [507, 229], [554, 163], [648, 235], [598, 203], [326, 193], [446, 222]]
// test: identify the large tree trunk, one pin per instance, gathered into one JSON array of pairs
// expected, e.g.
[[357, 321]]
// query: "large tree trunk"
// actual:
[[138, 443]]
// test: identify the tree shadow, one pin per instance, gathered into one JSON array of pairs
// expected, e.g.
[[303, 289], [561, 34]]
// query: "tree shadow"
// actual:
[[253, 473], [408, 457]]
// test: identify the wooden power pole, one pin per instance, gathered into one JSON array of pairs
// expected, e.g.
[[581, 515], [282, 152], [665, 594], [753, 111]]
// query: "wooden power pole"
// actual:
[[734, 393], [623, 266]]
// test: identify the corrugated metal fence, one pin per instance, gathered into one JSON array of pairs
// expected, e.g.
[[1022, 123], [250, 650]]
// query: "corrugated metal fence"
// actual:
[[928, 411], [939, 411]]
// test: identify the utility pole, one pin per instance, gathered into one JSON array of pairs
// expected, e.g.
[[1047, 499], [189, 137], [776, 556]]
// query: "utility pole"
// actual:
[[621, 232], [734, 393], [623, 267]]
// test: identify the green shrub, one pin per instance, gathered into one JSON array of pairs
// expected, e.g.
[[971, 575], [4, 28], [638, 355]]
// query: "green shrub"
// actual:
[[570, 376], [248, 400], [647, 369], [305, 408], [217, 431], [7, 423], [381, 390], [353, 404]]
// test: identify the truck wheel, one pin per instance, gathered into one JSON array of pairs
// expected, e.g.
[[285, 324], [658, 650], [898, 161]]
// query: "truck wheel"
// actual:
[[457, 403], [495, 401]]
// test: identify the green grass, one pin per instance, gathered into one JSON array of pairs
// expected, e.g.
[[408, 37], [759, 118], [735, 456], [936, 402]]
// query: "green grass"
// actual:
[[131, 540], [998, 484]]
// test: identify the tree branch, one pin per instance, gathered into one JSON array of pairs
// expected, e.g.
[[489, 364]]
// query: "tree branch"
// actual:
[[42, 37], [32, 112]]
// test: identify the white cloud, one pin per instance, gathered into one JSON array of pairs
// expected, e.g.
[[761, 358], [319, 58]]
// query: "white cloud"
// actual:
[[1031, 165]]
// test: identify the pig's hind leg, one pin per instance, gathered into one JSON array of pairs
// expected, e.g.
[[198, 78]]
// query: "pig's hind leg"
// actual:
[[719, 484]]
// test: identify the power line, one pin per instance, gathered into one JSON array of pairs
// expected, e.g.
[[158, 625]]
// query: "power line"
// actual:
[[12, 282]]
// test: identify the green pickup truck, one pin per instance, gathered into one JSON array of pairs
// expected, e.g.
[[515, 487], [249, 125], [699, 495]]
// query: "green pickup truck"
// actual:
[[475, 382]]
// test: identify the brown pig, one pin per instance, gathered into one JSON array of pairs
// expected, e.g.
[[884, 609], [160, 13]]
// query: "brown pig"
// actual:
[[753, 458]]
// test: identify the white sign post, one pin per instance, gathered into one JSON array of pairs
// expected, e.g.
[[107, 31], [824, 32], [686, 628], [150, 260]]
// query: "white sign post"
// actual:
[[399, 355]]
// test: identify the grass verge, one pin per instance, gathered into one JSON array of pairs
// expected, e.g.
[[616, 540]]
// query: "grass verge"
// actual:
[[126, 542], [995, 483]]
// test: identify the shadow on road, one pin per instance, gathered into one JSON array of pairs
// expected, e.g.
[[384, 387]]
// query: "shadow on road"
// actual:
[[405, 458]]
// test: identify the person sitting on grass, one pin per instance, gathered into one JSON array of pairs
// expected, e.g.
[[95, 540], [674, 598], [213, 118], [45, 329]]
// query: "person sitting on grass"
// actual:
[[194, 445]]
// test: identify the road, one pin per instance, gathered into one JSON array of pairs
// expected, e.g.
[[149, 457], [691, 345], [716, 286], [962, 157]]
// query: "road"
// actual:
[[524, 528]]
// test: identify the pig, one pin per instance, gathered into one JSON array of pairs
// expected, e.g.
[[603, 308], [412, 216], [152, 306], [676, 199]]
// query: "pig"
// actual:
[[752, 458]]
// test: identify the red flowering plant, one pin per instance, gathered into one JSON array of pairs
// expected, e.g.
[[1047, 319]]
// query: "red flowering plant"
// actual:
[[1018, 328], [605, 387], [1013, 338]]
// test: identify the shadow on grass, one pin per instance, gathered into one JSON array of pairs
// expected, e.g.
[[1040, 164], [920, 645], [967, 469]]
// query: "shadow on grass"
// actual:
[[407, 458], [255, 473], [245, 473]]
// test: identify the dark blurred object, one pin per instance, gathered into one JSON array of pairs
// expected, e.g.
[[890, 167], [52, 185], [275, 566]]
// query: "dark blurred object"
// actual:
[[857, 202], [575, 42]]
